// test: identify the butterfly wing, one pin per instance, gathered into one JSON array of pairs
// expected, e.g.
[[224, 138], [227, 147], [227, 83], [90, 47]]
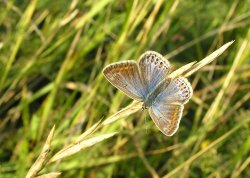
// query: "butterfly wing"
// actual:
[[166, 117], [166, 110], [178, 91], [125, 76], [154, 68]]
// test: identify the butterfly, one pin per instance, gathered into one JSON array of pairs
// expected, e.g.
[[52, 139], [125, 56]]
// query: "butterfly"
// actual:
[[147, 81]]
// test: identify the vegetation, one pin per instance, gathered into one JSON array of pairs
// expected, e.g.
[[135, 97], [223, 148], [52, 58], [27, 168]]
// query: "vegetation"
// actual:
[[51, 58]]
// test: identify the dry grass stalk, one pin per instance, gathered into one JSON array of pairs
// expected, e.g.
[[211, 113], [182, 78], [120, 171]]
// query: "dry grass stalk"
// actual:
[[212, 110], [192, 67], [182, 70], [130, 109], [90, 131], [50, 175], [40, 162], [76, 147]]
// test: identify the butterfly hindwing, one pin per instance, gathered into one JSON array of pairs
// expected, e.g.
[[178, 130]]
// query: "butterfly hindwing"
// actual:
[[154, 67], [125, 76], [178, 91], [166, 117]]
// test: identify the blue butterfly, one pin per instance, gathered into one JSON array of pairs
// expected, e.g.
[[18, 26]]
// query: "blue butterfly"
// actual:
[[148, 82]]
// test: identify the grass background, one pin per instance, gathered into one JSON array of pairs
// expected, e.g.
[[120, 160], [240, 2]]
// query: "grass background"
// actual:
[[51, 58]]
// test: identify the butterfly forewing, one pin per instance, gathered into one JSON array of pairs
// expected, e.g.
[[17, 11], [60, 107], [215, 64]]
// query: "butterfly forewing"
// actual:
[[154, 68], [166, 117], [125, 76]]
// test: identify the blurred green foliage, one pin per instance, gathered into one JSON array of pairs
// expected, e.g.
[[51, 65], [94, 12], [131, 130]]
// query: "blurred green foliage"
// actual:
[[51, 58]]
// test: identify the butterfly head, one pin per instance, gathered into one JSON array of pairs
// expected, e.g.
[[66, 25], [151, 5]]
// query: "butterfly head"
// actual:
[[144, 106]]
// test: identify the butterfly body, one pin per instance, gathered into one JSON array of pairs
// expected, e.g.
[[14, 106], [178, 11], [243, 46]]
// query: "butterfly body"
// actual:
[[147, 82], [151, 97]]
